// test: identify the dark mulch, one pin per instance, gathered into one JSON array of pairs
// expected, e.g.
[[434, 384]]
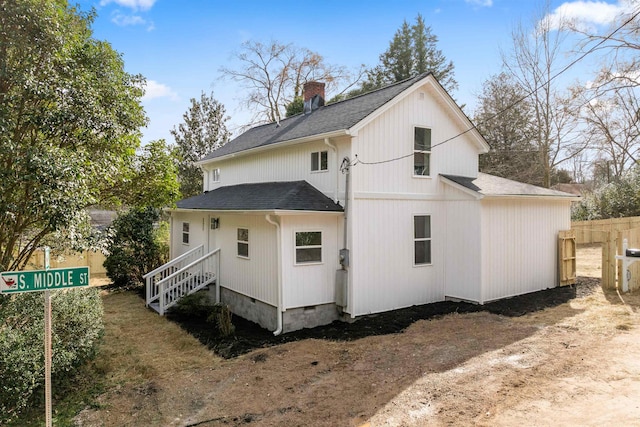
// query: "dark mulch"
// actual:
[[249, 336]]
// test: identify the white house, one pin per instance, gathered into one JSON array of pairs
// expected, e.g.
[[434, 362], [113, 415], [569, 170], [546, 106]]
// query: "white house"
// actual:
[[362, 206]]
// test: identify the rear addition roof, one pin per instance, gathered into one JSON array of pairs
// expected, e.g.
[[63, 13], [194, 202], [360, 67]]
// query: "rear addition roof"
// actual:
[[333, 117], [491, 185], [265, 196]]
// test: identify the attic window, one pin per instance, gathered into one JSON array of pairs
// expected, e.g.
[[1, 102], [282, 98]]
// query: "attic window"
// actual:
[[319, 161], [421, 151]]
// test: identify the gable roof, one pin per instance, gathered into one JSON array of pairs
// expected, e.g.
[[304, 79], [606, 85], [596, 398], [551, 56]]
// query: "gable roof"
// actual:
[[339, 116], [495, 186], [265, 196]]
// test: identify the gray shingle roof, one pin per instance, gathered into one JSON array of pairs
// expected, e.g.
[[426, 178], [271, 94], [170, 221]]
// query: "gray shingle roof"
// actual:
[[490, 185], [333, 117], [265, 196]]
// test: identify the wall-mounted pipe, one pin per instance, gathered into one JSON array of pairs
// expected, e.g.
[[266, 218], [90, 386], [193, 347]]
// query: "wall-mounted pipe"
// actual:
[[278, 330]]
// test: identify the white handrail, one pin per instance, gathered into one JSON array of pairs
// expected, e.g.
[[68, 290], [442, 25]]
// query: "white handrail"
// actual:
[[186, 267], [172, 262]]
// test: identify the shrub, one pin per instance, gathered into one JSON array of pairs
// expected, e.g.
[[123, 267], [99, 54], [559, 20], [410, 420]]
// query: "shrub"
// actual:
[[77, 326], [198, 306], [138, 243]]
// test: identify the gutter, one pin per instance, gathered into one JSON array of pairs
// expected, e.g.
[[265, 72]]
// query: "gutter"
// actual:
[[267, 217]]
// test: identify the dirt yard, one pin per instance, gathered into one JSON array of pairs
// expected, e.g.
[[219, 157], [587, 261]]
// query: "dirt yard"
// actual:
[[575, 363]]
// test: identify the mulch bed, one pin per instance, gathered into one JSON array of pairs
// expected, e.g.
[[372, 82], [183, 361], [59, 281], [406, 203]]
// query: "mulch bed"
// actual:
[[249, 336]]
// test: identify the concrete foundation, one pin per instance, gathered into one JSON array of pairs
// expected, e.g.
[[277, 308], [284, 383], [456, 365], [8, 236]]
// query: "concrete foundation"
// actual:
[[265, 315]]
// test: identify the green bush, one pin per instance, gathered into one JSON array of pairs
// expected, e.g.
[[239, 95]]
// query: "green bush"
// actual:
[[138, 243], [613, 200], [77, 326], [199, 307]]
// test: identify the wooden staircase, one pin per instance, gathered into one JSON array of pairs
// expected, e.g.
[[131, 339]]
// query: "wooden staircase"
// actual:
[[182, 276]]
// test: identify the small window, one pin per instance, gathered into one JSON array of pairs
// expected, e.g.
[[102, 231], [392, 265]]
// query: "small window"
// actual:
[[422, 239], [185, 233], [319, 161], [421, 151], [243, 242], [215, 175], [308, 247]]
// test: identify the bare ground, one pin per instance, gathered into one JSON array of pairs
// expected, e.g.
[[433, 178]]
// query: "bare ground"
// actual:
[[575, 363]]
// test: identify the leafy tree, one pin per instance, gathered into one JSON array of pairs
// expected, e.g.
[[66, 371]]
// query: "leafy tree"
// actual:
[[503, 119], [295, 107], [275, 73], [204, 130], [412, 51], [69, 124], [137, 245], [620, 198]]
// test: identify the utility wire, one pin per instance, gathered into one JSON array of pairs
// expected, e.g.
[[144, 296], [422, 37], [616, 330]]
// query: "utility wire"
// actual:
[[517, 101]]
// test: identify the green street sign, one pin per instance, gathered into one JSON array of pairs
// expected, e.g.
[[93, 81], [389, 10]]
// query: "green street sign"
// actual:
[[42, 280]]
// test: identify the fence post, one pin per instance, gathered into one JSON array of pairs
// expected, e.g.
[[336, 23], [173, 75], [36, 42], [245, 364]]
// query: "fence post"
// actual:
[[609, 249]]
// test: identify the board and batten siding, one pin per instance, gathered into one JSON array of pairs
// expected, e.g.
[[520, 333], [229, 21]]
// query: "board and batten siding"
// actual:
[[462, 250], [519, 245], [310, 284], [291, 163], [391, 136], [255, 277], [382, 273]]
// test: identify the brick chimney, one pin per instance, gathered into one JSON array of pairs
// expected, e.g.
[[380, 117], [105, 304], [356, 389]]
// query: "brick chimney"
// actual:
[[309, 89]]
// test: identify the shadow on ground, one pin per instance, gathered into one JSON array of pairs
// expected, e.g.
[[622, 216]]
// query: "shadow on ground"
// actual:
[[249, 336]]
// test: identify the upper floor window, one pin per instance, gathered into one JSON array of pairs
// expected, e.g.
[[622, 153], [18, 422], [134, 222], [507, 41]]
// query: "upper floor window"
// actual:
[[421, 151], [185, 233], [319, 161], [243, 242], [308, 247], [215, 175], [421, 239]]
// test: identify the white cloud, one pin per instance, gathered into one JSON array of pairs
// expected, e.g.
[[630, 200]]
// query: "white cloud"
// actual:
[[132, 4], [124, 20], [483, 3], [586, 14], [158, 90]]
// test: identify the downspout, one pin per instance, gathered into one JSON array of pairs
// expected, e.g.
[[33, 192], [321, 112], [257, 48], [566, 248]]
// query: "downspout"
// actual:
[[335, 150], [278, 331]]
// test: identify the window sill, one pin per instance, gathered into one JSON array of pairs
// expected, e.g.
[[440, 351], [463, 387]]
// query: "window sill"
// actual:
[[243, 257], [422, 176], [302, 264], [320, 171], [422, 265]]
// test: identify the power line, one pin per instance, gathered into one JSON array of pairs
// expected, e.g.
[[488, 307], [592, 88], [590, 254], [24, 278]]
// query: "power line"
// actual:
[[517, 101]]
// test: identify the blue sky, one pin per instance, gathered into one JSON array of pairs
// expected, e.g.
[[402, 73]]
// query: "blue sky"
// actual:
[[179, 46]]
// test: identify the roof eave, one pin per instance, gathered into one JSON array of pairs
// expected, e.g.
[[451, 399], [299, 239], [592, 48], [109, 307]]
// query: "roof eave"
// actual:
[[280, 212], [332, 134], [532, 196]]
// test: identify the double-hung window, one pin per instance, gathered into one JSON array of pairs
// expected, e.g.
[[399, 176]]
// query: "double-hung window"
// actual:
[[215, 175], [308, 247], [421, 151], [421, 239], [243, 242], [319, 161], [185, 233]]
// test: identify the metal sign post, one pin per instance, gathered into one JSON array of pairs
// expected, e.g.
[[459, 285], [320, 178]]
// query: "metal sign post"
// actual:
[[13, 282]]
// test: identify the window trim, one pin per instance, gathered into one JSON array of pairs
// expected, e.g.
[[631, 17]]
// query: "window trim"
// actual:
[[415, 127], [422, 239], [215, 175], [296, 247], [318, 163], [242, 242], [186, 233]]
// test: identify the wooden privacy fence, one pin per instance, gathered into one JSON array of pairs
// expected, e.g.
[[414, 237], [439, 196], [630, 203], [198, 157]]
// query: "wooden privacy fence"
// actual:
[[596, 231], [612, 270], [91, 259]]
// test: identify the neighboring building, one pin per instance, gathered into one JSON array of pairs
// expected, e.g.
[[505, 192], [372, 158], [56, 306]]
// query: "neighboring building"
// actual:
[[363, 206]]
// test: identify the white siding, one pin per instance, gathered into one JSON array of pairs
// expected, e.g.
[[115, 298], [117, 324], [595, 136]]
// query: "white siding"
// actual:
[[383, 276], [313, 284], [283, 164], [519, 245], [391, 136], [255, 277], [462, 250]]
